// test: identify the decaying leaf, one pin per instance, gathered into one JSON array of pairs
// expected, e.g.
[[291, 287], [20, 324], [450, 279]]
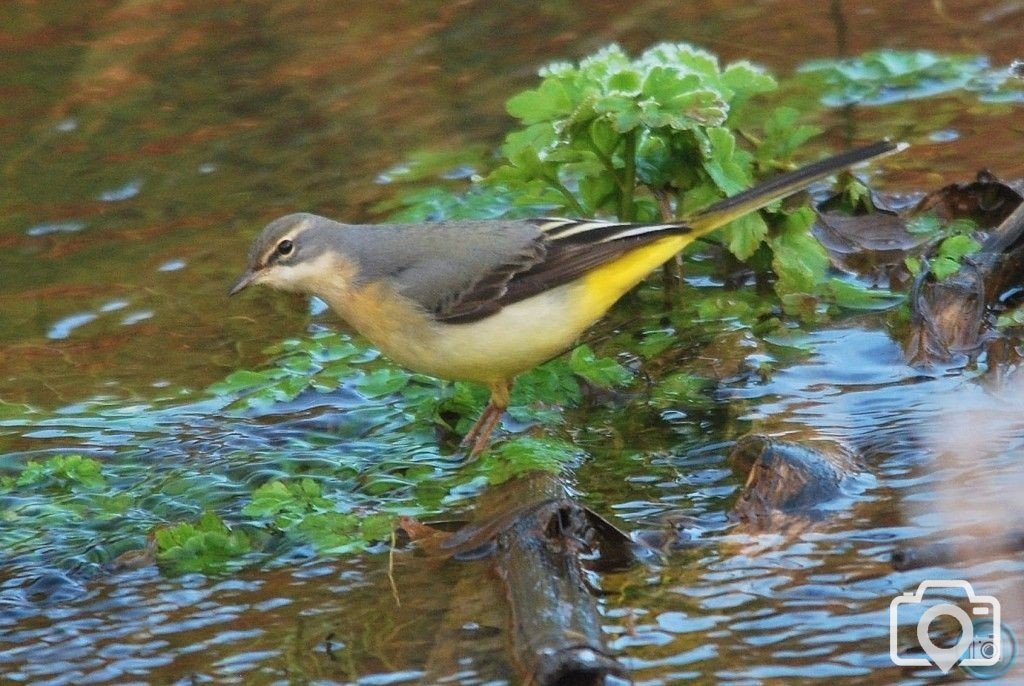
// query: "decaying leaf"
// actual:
[[960, 249], [430, 539], [987, 200], [955, 316], [873, 245]]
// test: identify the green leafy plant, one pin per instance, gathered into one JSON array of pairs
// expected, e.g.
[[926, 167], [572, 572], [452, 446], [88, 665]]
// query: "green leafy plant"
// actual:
[[525, 454], [340, 533], [64, 472], [300, 509], [682, 389], [54, 496], [954, 242], [887, 76], [951, 251], [929, 224], [618, 136], [1011, 319], [207, 546], [286, 503], [328, 361]]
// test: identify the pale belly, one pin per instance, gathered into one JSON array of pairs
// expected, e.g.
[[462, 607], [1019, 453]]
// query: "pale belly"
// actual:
[[499, 347]]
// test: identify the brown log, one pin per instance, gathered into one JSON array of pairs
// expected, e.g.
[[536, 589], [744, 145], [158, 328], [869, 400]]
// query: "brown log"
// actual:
[[535, 536], [556, 629]]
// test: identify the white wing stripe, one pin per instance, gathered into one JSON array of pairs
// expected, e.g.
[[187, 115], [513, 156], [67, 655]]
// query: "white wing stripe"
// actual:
[[550, 224], [583, 227], [640, 230], [559, 229]]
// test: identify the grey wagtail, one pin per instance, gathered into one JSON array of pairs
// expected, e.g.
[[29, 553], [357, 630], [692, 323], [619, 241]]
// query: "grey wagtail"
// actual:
[[487, 300]]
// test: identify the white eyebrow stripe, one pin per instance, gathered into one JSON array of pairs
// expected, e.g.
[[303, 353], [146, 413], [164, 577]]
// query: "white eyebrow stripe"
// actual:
[[290, 236]]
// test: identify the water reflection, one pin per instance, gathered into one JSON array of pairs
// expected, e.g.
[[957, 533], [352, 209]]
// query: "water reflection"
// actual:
[[805, 601]]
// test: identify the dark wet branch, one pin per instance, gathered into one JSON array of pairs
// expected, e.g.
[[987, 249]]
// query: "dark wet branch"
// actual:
[[944, 553], [537, 540], [556, 629]]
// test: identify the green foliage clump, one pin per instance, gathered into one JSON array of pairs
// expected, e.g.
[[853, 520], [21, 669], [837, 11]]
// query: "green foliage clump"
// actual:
[[299, 508], [682, 389], [329, 361], [1011, 319], [951, 251], [318, 363], [954, 242], [887, 76], [207, 546], [603, 372], [60, 491], [286, 503], [615, 136], [650, 138], [63, 472], [525, 454]]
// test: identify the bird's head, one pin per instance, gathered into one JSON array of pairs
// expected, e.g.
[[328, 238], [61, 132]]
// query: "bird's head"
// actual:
[[295, 253]]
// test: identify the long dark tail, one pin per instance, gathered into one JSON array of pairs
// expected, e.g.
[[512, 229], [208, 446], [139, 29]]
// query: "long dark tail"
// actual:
[[773, 189]]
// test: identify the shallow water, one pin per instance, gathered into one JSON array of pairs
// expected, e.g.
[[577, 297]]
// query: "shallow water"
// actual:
[[142, 145]]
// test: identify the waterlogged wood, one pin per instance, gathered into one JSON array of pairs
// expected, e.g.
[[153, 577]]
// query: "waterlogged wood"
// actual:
[[1002, 255], [987, 200], [556, 628], [947, 317], [951, 317], [973, 546], [788, 479], [535, 537], [873, 244]]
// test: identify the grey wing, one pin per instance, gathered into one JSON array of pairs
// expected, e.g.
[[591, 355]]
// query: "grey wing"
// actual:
[[464, 271], [461, 268], [565, 250]]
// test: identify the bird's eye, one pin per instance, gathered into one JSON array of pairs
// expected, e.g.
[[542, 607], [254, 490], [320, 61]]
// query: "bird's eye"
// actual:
[[285, 247]]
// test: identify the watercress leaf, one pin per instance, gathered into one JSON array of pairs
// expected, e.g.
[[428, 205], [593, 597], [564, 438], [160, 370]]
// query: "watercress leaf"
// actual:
[[622, 111], [383, 381], [549, 102], [682, 389], [207, 546], [725, 164], [65, 472], [798, 258], [523, 455], [332, 532], [746, 79], [600, 371], [957, 246], [745, 235], [924, 224], [855, 296], [626, 82]]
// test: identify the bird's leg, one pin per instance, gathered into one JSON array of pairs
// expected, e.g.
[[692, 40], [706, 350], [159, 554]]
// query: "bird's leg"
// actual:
[[479, 436]]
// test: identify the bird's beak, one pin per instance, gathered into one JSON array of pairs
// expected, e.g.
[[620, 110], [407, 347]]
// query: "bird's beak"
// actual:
[[244, 281]]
